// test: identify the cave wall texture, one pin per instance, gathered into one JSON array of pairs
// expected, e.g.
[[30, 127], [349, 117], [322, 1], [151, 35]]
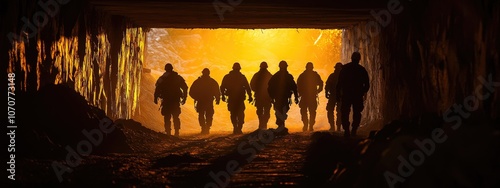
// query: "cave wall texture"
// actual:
[[428, 57], [69, 42]]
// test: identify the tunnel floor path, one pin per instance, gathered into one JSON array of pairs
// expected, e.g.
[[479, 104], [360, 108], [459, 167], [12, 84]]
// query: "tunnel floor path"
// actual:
[[276, 162], [162, 161]]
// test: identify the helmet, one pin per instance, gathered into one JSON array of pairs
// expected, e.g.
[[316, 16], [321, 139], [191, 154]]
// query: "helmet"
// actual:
[[309, 66], [338, 65], [356, 56], [263, 65], [236, 66], [205, 71], [283, 64], [169, 67]]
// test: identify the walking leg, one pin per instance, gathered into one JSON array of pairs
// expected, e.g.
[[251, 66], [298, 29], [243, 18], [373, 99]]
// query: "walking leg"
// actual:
[[305, 121]]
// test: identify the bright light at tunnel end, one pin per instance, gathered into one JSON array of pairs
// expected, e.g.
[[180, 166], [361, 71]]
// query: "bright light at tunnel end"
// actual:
[[191, 50]]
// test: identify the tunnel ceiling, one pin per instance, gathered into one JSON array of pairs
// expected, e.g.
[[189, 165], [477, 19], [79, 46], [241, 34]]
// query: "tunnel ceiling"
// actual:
[[320, 14]]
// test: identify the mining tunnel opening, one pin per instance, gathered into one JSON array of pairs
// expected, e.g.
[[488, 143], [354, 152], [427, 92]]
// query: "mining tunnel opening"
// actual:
[[191, 50]]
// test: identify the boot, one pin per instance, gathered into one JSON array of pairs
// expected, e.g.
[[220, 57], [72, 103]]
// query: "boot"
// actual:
[[305, 127], [203, 125], [176, 134], [332, 127], [235, 129], [311, 128], [353, 131], [239, 129], [207, 127], [168, 130], [347, 133], [264, 123]]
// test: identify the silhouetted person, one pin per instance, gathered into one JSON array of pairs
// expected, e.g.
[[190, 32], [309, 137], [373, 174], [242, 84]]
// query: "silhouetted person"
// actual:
[[204, 90], [262, 100], [352, 86], [172, 89], [235, 85], [280, 89], [331, 95], [309, 84]]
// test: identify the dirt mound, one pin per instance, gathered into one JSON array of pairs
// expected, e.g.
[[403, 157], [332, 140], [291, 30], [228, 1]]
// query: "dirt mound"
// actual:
[[56, 120], [140, 138]]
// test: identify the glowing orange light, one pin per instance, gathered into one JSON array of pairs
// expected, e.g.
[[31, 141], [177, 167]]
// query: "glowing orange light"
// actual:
[[191, 50]]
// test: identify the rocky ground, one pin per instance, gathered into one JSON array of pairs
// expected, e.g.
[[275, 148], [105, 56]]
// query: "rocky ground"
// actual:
[[64, 142], [164, 161]]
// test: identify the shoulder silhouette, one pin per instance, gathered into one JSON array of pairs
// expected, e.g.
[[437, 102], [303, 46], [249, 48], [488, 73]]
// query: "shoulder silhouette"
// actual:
[[309, 83], [205, 88]]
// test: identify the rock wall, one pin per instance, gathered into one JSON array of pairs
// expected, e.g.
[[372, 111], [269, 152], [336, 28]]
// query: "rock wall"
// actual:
[[430, 56], [69, 42]]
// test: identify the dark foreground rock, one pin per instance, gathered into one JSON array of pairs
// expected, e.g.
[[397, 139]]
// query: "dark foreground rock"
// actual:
[[57, 120], [421, 152]]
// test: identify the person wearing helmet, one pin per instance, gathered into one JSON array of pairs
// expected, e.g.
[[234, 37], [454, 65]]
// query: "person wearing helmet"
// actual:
[[172, 89], [258, 83], [351, 91], [330, 94], [234, 85], [309, 85], [204, 90], [281, 86]]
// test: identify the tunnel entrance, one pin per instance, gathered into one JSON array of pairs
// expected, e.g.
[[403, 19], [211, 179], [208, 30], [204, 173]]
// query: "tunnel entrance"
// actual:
[[191, 50]]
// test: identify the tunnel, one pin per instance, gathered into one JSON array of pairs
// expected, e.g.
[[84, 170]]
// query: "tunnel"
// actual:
[[81, 80]]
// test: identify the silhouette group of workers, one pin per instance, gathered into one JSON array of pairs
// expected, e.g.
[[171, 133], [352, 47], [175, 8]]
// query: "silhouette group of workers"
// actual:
[[346, 87]]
